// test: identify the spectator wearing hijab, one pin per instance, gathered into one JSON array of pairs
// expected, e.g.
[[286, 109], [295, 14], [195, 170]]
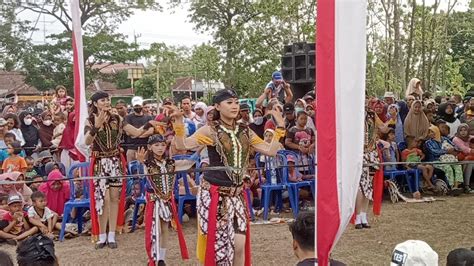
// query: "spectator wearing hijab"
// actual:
[[29, 131], [414, 87], [446, 111], [394, 120], [258, 125], [379, 110], [46, 130], [200, 117], [416, 123], [56, 191]]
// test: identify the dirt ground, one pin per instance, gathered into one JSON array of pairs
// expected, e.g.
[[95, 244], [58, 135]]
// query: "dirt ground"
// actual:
[[445, 225]]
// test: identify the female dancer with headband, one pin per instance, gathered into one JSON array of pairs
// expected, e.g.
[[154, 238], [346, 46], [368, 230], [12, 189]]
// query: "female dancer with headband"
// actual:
[[104, 132], [161, 207], [222, 207]]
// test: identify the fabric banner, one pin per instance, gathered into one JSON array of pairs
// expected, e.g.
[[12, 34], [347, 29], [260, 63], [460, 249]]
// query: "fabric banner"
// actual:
[[340, 90], [80, 102]]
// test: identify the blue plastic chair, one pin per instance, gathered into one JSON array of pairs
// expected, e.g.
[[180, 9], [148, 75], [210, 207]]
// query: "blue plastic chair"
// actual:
[[135, 167], [79, 204], [268, 187], [294, 187], [188, 196]]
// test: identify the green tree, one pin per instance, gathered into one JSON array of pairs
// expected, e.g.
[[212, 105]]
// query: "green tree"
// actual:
[[49, 64], [251, 34], [13, 40]]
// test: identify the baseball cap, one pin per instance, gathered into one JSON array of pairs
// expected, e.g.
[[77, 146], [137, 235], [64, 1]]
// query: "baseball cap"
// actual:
[[244, 106], [308, 96], [277, 75], [137, 100], [414, 252], [290, 158], [14, 199], [168, 100], [288, 108], [3, 122]]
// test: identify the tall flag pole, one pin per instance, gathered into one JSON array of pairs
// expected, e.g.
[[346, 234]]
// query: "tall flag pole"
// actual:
[[340, 83], [80, 102]]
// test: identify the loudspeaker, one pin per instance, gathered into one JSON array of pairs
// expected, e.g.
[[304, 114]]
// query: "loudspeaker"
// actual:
[[298, 63]]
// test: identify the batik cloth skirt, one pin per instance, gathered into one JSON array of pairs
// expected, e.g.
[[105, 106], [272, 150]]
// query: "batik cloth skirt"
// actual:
[[231, 217], [103, 167], [161, 210], [366, 185]]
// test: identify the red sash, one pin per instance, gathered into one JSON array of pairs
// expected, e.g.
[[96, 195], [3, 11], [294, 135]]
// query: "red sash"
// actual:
[[210, 259]]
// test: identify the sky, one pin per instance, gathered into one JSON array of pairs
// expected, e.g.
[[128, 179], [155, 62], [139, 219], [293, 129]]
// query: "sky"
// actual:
[[170, 28], [150, 26]]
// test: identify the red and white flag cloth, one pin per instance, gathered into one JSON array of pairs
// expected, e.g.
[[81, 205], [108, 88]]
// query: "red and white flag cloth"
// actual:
[[340, 83], [80, 102]]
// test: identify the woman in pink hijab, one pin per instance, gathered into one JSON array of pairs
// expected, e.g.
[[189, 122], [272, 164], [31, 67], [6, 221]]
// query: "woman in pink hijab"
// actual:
[[56, 191], [21, 189]]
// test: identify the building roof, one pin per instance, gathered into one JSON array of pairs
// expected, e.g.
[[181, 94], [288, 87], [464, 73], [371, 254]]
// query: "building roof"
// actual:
[[12, 82], [110, 88], [109, 68]]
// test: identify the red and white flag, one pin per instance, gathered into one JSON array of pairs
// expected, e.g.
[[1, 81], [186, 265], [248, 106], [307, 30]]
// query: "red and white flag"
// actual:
[[340, 83], [80, 102]]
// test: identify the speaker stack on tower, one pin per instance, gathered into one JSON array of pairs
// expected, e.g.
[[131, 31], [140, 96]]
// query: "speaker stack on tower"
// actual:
[[298, 67]]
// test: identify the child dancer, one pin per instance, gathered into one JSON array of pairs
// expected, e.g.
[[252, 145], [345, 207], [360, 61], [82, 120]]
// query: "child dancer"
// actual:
[[160, 207]]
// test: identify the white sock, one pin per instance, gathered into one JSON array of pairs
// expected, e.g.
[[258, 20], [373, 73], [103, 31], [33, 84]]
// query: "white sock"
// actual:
[[102, 238], [363, 217], [162, 254], [358, 220], [111, 237]]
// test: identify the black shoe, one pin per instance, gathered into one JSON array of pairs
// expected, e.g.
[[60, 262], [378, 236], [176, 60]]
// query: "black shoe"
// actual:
[[100, 245], [359, 226], [161, 263], [112, 245], [468, 190], [366, 226]]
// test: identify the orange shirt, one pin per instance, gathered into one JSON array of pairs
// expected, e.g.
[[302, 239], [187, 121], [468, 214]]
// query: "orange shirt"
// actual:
[[14, 164]]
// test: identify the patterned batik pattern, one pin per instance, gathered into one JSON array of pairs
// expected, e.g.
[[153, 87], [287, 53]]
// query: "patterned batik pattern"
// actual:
[[231, 219], [103, 167]]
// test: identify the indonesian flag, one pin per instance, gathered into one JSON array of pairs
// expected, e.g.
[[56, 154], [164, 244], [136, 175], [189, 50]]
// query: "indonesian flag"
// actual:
[[80, 103], [340, 82]]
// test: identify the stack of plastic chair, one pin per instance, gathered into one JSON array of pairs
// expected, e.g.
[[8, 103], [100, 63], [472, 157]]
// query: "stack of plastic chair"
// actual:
[[188, 196], [294, 187], [80, 204], [135, 167], [276, 186]]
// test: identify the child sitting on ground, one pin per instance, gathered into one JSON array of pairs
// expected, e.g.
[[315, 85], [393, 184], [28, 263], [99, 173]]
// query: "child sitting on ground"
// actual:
[[414, 155], [44, 218], [15, 221]]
